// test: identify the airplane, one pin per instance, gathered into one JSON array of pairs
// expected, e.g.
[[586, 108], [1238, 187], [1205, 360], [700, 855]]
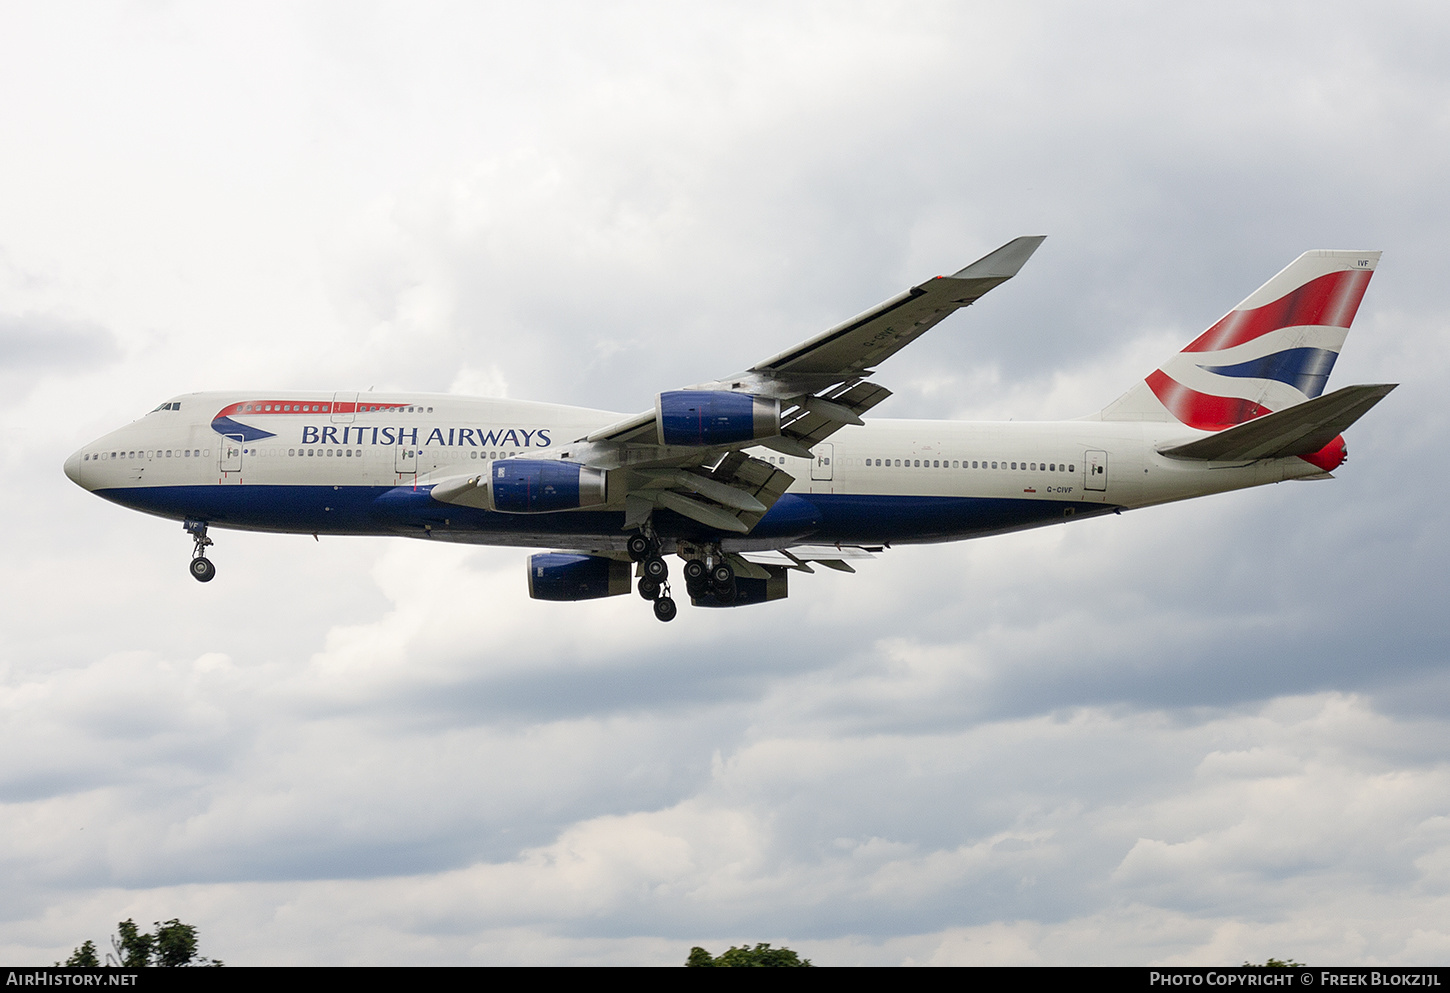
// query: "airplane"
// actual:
[[755, 476]]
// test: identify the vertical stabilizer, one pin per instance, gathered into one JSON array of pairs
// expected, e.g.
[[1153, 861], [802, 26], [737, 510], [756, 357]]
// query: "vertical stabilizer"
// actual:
[[1272, 351]]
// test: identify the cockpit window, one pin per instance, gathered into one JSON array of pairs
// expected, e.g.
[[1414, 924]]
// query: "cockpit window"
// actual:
[[168, 405]]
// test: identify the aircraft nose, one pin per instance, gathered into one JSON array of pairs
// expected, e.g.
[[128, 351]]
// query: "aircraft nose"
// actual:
[[73, 469]]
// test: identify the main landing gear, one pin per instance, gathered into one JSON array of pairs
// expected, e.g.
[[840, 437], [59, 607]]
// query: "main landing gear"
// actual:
[[708, 573], [712, 576], [202, 569], [654, 579]]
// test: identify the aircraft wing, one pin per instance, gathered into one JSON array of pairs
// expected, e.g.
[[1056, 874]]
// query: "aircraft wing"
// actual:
[[814, 388], [821, 379], [851, 349]]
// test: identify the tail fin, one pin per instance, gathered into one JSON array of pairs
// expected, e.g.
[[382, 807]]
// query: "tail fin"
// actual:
[[1272, 351]]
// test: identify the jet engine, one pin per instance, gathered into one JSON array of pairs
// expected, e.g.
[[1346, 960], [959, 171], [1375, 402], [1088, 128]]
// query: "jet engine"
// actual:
[[565, 576], [710, 417], [533, 486]]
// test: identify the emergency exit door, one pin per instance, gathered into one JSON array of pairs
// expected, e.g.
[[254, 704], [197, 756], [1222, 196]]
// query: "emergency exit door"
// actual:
[[1096, 466], [821, 464]]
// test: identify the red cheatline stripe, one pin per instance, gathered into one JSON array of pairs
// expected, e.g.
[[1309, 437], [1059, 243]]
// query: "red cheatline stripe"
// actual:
[[1200, 410], [296, 407], [1330, 300]]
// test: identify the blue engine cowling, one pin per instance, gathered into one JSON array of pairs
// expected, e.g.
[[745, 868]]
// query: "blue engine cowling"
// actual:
[[708, 417], [564, 576], [749, 591], [532, 486]]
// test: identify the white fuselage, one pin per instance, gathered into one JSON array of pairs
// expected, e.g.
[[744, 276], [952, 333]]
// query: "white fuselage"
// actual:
[[324, 469]]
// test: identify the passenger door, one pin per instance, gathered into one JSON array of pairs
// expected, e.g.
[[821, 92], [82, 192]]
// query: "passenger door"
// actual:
[[344, 405], [229, 454], [821, 465], [405, 463]]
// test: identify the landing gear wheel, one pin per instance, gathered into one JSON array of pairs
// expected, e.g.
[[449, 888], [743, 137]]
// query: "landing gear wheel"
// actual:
[[722, 575], [665, 609], [725, 594], [694, 571], [648, 588], [654, 568], [639, 547], [201, 568]]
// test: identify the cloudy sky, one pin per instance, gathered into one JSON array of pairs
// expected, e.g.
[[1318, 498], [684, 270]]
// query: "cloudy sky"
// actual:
[[1203, 733]]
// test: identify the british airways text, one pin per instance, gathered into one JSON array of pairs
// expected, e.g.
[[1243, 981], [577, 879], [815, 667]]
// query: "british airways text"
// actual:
[[347, 434]]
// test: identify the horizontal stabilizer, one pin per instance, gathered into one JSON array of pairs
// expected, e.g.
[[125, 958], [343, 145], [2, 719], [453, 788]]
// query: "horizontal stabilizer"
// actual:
[[1302, 429]]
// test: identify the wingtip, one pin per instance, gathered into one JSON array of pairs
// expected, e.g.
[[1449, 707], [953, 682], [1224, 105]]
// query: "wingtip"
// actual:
[[1006, 261]]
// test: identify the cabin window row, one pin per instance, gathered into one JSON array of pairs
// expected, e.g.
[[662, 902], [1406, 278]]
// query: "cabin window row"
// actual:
[[329, 452], [317, 408], [975, 464], [179, 453], [348, 453], [957, 464]]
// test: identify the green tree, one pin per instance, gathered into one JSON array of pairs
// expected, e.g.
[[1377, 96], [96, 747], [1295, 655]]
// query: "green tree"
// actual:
[[175, 944], [171, 944], [131, 949], [761, 956], [1275, 964], [83, 957]]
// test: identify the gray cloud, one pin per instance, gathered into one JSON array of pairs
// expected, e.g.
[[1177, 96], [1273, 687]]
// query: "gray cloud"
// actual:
[[31, 343]]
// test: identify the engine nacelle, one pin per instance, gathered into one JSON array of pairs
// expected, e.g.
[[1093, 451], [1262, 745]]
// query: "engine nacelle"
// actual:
[[533, 486], [749, 591], [710, 417], [562, 576]]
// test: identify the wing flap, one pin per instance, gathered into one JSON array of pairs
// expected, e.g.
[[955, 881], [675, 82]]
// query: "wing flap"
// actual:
[[837, 557], [815, 422], [736, 493], [1302, 429], [697, 510]]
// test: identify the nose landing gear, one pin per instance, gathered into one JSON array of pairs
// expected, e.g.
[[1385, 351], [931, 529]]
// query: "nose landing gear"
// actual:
[[202, 569]]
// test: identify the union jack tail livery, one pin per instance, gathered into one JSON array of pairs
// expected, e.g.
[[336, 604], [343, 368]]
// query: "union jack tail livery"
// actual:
[[1273, 351]]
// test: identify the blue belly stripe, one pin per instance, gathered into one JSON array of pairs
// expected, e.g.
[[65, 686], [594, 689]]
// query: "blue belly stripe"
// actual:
[[399, 510]]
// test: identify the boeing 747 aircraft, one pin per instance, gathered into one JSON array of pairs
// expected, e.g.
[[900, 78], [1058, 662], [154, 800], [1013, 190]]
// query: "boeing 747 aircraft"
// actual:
[[755, 476]]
